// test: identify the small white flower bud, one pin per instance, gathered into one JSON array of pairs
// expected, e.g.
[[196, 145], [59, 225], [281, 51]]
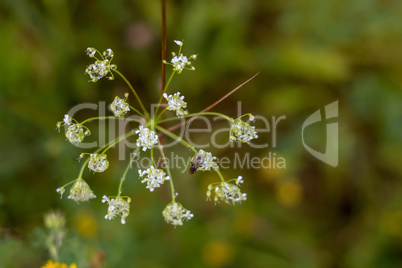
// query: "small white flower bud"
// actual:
[[179, 43]]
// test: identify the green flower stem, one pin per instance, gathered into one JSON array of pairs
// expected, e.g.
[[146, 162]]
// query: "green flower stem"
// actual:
[[99, 54], [193, 115], [131, 161], [123, 178], [120, 185], [220, 175], [133, 90], [168, 172], [97, 118], [248, 114], [152, 156], [135, 110], [117, 141], [85, 164], [175, 137], [110, 144], [109, 117], [159, 116], [71, 182], [164, 90], [53, 252]]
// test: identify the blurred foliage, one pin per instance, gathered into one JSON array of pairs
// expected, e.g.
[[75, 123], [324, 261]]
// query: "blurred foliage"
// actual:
[[309, 53]]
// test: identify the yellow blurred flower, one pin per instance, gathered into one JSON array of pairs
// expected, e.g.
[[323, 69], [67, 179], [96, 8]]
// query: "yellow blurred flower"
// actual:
[[86, 224], [246, 223], [51, 264], [270, 175], [217, 253], [288, 193]]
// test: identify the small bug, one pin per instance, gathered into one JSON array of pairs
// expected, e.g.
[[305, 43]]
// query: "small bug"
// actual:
[[196, 163]]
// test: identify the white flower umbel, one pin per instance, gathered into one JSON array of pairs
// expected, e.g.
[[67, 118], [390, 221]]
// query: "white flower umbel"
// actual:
[[101, 68], [75, 133], [227, 192], [241, 131], [146, 138], [119, 107], [208, 162], [80, 191], [204, 161], [153, 177], [179, 61], [98, 162], [176, 103], [175, 214], [118, 206]]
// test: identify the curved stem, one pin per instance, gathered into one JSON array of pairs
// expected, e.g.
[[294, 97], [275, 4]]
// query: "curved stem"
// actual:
[[175, 137], [220, 175], [109, 117], [135, 110], [110, 144], [97, 118], [117, 141], [248, 114], [123, 178], [133, 90], [159, 116], [168, 172], [163, 91], [194, 115]]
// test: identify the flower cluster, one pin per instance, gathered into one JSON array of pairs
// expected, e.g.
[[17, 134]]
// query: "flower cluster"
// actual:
[[175, 214], [98, 162], [118, 206], [227, 192], [102, 67], [75, 132], [204, 161], [119, 107], [176, 103], [153, 177], [181, 62], [55, 224], [146, 138], [241, 131], [80, 191], [150, 126]]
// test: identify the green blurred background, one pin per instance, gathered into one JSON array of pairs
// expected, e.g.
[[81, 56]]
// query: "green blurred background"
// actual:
[[310, 53]]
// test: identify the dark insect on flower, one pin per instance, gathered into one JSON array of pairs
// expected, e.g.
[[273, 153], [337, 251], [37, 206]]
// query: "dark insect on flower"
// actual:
[[196, 163]]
